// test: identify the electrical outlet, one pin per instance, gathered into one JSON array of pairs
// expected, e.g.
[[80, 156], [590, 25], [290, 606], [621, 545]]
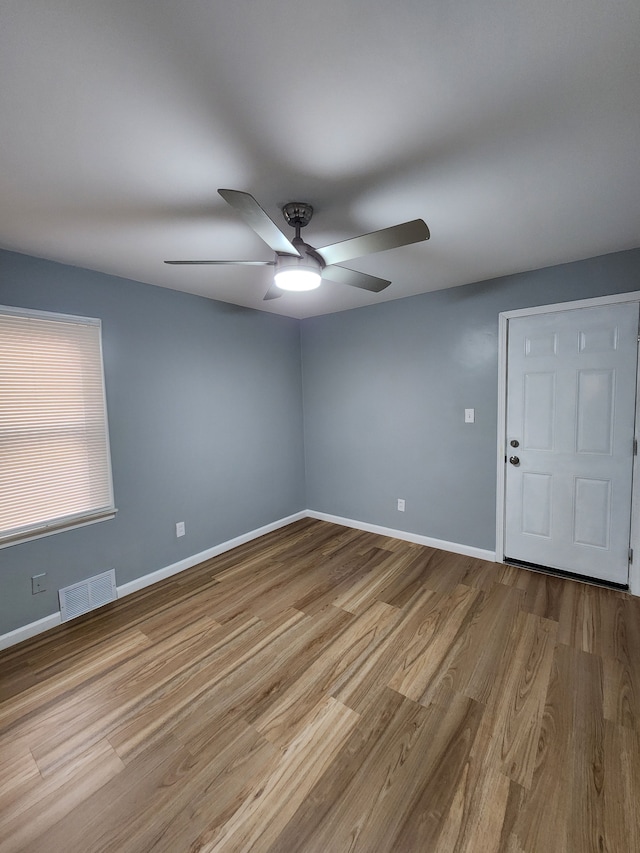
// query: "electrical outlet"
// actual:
[[38, 583], [180, 531], [400, 504]]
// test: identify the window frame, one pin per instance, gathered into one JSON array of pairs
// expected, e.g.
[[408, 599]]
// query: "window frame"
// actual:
[[40, 529]]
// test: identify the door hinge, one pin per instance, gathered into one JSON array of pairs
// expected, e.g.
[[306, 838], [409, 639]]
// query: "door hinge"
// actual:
[[631, 555], [635, 446]]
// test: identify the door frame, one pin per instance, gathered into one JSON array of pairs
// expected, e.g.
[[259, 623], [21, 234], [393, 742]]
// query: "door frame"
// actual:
[[503, 334]]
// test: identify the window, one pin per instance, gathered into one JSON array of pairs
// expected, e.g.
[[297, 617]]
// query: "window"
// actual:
[[55, 468]]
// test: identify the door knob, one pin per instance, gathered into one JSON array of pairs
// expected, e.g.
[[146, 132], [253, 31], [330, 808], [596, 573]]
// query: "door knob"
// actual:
[[515, 460]]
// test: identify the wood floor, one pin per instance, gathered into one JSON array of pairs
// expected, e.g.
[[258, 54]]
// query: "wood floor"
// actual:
[[325, 689]]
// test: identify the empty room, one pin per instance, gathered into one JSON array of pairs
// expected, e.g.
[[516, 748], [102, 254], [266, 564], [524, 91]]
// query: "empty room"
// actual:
[[319, 414]]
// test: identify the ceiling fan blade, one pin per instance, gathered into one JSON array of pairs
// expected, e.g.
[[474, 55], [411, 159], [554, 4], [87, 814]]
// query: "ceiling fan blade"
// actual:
[[342, 275], [376, 241], [273, 293], [242, 263], [259, 221]]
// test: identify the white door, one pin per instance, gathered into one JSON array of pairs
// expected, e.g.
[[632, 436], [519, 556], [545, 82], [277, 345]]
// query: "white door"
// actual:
[[571, 387]]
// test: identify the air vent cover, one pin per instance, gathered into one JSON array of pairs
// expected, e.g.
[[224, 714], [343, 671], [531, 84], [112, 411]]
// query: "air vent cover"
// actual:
[[82, 597]]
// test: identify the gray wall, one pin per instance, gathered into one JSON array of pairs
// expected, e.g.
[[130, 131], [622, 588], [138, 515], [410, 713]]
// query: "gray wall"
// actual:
[[205, 416], [385, 388]]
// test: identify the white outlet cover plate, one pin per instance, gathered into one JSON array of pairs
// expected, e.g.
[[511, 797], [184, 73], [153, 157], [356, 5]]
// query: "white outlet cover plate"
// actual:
[[469, 416]]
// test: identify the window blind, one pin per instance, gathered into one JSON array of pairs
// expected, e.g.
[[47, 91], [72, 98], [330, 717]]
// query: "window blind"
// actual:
[[55, 467]]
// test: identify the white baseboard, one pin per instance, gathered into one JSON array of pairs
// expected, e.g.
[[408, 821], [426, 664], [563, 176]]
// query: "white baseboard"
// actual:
[[34, 628], [25, 632], [441, 544], [189, 562]]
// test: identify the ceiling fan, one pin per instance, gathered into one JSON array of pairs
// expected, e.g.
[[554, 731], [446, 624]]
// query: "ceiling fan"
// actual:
[[299, 266]]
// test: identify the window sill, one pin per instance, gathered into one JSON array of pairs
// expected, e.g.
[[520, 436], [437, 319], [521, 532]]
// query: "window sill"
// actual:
[[49, 530]]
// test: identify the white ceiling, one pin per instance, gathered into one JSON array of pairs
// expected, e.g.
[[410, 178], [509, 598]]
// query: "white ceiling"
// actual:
[[511, 126]]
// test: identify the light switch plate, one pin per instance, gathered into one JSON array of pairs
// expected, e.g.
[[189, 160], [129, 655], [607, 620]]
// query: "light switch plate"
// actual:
[[469, 416]]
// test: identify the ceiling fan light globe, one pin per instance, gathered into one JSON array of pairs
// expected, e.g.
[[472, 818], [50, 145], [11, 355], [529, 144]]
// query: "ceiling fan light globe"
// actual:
[[297, 279]]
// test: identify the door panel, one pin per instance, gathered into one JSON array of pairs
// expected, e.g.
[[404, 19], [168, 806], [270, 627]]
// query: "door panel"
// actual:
[[536, 504], [571, 385], [595, 401], [592, 515], [539, 411]]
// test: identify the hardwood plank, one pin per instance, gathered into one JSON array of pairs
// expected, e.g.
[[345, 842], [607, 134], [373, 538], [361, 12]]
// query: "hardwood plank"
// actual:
[[339, 579], [367, 589], [88, 714], [265, 812], [542, 593], [425, 655], [477, 666], [280, 723], [477, 810], [469, 664], [386, 764], [17, 769], [395, 798], [35, 808], [479, 574], [259, 679], [621, 696], [517, 700], [368, 675], [453, 729], [587, 826], [541, 813], [98, 661], [376, 725], [593, 619], [176, 791], [226, 778], [621, 783], [178, 697], [406, 583], [444, 572]]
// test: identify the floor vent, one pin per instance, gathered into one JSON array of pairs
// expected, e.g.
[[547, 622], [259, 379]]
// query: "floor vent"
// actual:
[[82, 597]]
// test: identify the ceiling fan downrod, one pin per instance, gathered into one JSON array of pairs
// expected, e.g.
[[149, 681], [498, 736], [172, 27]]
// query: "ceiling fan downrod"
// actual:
[[304, 272]]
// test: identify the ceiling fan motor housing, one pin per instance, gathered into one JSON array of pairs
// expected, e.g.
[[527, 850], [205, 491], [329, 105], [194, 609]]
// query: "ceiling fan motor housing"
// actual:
[[310, 260]]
